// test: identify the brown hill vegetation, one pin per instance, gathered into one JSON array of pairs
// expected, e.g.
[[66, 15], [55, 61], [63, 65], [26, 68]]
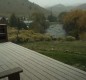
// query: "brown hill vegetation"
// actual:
[[19, 7]]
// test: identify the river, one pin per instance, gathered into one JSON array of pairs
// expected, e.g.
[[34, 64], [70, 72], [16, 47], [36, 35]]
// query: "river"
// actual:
[[56, 30]]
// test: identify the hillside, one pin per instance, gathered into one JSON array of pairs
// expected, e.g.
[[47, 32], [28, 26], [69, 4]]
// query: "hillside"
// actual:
[[19, 7], [57, 9], [82, 6]]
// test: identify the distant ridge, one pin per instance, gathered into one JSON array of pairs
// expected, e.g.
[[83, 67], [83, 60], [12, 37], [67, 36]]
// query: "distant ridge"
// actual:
[[82, 6], [57, 9], [19, 7]]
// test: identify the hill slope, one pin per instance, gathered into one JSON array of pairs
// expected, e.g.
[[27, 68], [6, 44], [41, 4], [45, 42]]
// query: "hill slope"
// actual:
[[82, 6], [57, 9], [19, 7]]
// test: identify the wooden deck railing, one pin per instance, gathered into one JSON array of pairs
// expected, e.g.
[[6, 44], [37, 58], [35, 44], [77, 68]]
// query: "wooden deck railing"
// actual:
[[12, 74]]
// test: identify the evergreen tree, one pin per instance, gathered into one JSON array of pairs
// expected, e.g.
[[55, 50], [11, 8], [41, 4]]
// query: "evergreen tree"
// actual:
[[52, 18], [13, 21]]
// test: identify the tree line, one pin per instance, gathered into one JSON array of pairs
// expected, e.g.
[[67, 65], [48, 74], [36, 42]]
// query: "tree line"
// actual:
[[39, 23]]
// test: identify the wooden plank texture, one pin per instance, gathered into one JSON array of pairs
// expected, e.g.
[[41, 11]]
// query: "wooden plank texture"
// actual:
[[36, 66]]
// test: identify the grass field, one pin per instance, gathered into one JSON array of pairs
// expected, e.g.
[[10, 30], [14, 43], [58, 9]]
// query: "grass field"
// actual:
[[72, 53]]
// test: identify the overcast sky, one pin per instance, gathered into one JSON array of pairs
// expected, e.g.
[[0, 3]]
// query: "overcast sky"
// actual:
[[47, 3]]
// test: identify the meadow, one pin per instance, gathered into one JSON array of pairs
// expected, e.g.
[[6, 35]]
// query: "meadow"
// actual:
[[69, 52]]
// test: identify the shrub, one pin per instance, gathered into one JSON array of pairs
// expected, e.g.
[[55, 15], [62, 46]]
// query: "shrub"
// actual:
[[37, 37], [70, 38], [26, 36], [60, 39], [23, 38], [12, 38], [47, 38]]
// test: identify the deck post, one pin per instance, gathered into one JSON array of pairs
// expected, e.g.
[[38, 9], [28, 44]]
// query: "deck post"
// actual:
[[12, 74], [14, 77]]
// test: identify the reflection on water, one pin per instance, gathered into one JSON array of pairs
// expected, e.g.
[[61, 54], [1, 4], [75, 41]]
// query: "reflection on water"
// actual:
[[56, 30]]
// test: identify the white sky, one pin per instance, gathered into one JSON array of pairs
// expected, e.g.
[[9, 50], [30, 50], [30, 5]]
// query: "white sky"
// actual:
[[47, 3]]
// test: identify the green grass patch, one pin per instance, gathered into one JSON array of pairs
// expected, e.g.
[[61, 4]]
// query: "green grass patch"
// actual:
[[72, 53]]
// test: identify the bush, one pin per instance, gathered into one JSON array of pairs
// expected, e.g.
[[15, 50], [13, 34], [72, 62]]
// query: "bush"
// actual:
[[70, 38], [37, 37], [60, 39], [47, 38], [12, 38], [26, 36], [23, 38]]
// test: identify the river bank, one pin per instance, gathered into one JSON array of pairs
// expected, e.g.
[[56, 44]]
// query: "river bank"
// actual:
[[56, 30]]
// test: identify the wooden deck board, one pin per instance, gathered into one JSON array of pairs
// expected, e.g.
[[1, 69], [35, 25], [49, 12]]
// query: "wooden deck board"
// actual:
[[31, 69], [36, 66]]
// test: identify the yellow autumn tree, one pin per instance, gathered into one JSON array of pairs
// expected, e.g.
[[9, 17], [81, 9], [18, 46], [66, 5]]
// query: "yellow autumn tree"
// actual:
[[74, 23]]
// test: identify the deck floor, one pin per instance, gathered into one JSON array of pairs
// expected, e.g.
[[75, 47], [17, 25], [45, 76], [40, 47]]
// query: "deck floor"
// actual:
[[36, 66]]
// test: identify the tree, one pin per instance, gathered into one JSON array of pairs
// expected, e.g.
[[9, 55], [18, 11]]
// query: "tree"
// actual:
[[52, 18], [61, 16], [17, 23], [20, 25], [13, 21], [74, 23], [39, 22]]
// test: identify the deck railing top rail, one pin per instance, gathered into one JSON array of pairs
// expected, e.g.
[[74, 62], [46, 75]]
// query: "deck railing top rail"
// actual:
[[12, 74]]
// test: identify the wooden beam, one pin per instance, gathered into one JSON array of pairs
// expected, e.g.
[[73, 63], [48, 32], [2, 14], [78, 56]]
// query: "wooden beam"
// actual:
[[12, 74]]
